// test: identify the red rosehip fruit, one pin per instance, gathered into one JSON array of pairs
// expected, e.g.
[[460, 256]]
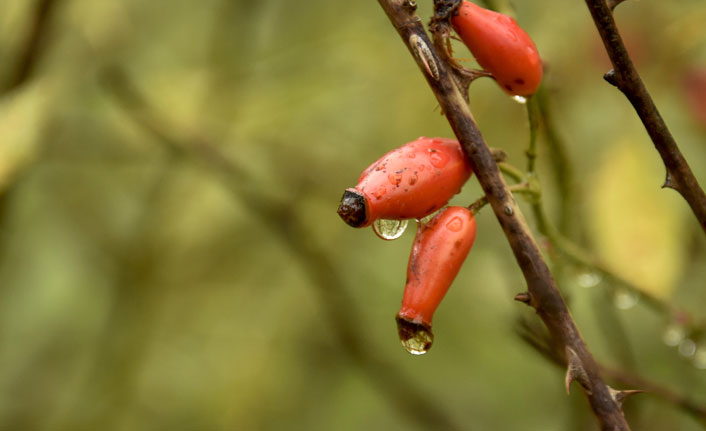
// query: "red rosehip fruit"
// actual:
[[412, 181], [501, 47], [439, 250]]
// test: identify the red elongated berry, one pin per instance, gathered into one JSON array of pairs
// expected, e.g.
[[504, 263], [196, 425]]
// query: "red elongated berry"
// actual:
[[412, 181], [501, 47], [438, 252]]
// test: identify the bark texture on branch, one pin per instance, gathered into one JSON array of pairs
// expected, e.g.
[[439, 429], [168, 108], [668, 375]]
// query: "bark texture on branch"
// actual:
[[542, 294], [625, 77]]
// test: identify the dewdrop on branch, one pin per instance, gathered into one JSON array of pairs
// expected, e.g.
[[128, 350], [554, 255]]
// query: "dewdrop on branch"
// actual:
[[438, 252]]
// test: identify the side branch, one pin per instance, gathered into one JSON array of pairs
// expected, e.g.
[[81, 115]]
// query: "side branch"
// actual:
[[625, 77], [543, 294]]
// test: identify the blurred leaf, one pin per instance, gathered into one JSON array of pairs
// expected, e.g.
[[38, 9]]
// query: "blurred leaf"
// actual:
[[636, 225]]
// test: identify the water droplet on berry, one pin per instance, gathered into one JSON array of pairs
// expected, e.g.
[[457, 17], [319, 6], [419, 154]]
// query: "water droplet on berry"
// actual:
[[455, 224], [389, 229], [416, 338], [438, 160], [379, 192], [413, 179], [519, 99], [395, 179]]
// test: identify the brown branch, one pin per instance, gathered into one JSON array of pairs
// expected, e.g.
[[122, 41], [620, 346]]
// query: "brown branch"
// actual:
[[625, 77], [542, 290]]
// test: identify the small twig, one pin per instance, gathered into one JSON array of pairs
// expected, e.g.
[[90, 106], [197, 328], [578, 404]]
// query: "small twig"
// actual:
[[523, 188], [545, 296], [625, 77], [532, 147], [511, 171], [557, 154]]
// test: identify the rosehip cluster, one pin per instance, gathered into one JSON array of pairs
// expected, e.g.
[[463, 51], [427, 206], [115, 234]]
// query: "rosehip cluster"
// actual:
[[419, 178], [413, 181]]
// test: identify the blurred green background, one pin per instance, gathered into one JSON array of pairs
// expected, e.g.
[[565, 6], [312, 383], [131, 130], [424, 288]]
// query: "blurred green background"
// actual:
[[171, 257]]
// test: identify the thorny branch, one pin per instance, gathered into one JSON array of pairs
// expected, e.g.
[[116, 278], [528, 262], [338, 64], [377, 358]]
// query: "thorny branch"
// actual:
[[622, 377], [625, 77], [542, 294]]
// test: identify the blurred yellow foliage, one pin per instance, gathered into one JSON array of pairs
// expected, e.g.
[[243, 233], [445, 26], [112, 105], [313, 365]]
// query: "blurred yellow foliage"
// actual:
[[637, 227]]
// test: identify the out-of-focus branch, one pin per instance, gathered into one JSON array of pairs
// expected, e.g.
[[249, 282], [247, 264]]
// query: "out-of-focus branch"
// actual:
[[582, 257], [34, 45], [397, 388], [625, 77], [559, 158], [542, 294], [621, 377]]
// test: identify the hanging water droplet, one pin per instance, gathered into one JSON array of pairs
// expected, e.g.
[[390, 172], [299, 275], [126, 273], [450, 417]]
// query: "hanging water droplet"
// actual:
[[625, 299], [389, 229], [687, 347], [588, 279], [519, 99], [700, 357], [673, 335], [416, 338]]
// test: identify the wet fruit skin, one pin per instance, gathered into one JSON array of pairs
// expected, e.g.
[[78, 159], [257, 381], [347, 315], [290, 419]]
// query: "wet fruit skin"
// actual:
[[439, 250], [411, 181], [501, 47]]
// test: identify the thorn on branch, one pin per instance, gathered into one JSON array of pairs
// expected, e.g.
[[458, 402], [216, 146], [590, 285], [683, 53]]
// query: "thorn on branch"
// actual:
[[613, 3], [669, 183], [524, 297], [620, 396], [575, 371], [610, 78]]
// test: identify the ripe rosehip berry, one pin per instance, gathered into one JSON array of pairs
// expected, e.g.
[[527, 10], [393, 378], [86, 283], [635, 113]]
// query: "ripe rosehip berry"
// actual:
[[412, 181], [439, 249], [501, 47]]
